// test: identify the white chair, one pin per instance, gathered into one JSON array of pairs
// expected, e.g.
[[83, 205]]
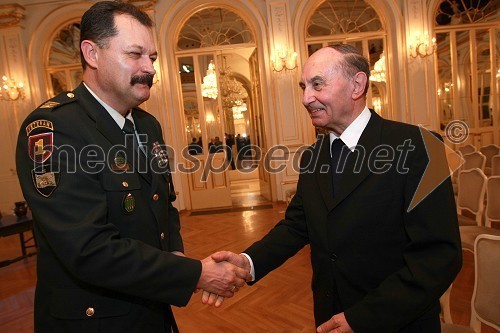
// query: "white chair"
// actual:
[[471, 191], [474, 160], [489, 151], [492, 212], [485, 303], [495, 166], [467, 149]]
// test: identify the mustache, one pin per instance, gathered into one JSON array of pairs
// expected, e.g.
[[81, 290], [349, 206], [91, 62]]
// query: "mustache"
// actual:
[[143, 79]]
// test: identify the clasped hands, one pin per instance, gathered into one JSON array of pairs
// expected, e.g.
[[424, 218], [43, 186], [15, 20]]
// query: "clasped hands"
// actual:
[[222, 274]]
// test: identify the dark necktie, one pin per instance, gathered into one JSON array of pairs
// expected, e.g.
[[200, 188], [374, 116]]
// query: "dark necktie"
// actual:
[[140, 161], [337, 163]]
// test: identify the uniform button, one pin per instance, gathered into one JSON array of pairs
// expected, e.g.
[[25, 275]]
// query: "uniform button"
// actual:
[[155, 197], [90, 312], [162, 235], [70, 95], [125, 184], [333, 257]]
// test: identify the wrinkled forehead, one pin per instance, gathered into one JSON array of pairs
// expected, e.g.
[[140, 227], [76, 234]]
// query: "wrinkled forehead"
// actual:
[[320, 64]]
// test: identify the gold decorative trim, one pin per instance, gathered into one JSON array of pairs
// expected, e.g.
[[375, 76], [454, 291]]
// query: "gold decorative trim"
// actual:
[[143, 4], [11, 15]]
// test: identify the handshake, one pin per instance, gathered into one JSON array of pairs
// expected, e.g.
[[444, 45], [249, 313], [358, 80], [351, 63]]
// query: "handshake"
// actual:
[[222, 274]]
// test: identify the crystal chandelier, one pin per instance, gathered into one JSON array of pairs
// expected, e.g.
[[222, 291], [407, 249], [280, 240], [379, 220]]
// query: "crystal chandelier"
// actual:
[[232, 91], [377, 74], [209, 85]]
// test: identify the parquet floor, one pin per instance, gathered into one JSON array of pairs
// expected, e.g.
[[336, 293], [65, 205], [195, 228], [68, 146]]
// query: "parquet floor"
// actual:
[[281, 302]]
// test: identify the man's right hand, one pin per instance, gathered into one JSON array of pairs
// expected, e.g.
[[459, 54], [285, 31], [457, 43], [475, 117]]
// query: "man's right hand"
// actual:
[[222, 278]]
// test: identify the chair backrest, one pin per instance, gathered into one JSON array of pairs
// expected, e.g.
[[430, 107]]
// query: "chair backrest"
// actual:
[[471, 191], [493, 200], [474, 160], [495, 165], [489, 151], [485, 303], [467, 149]]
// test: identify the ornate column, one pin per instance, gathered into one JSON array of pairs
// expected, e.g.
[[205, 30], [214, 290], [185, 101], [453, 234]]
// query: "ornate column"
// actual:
[[14, 106], [421, 93], [288, 111]]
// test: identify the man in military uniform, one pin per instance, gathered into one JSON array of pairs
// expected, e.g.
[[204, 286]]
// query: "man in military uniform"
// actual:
[[110, 251]]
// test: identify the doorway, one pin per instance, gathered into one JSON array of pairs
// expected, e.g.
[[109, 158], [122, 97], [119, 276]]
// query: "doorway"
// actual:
[[222, 111]]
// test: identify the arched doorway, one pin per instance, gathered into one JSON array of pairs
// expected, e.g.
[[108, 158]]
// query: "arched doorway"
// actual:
[[221, 109]]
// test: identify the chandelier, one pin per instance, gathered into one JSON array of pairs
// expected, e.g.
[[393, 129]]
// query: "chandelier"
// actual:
[[209, 85], [232, 91], [377, 74], [238, 109]]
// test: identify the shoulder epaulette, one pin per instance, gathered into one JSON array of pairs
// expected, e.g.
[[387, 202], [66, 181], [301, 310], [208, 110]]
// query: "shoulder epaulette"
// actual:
[[59, 100]]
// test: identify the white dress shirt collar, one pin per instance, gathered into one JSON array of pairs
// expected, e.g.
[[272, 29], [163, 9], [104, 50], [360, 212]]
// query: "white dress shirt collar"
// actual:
[[353, 132]]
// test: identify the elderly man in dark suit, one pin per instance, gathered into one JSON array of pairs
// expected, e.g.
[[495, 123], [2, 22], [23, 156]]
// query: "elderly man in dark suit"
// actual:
[[379, 263], [110, 250]]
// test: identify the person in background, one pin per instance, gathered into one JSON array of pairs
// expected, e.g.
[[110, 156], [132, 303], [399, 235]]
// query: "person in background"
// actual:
[[194, 148], [94, 170], [379, 264]]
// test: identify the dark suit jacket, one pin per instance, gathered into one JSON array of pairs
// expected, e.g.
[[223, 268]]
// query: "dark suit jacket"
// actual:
[[383, 266], [104, 231]]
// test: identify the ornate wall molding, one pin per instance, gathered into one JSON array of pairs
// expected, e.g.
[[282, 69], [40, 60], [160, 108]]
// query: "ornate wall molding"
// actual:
[[143, 4], [11, 15]]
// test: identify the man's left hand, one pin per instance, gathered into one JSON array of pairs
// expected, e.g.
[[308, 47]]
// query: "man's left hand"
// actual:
[[337, 324]]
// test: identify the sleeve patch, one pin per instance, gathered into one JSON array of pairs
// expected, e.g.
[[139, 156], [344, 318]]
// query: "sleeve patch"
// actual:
[[40, 146], [41, 123], [45, 181]]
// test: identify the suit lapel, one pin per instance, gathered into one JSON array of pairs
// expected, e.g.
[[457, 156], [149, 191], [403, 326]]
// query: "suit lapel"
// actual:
[[357, 163]]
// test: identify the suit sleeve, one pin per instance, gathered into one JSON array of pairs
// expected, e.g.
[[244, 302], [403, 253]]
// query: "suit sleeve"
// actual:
[[432, 258], [284, 240], [73, 222]]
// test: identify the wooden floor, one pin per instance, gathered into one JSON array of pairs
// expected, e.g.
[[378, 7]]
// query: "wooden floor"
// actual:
[[281, 302]]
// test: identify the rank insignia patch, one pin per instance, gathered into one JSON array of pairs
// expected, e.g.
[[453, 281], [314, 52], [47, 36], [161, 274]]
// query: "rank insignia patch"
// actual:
[[45, 181], [40, 146], [128, 203], [49, 105]]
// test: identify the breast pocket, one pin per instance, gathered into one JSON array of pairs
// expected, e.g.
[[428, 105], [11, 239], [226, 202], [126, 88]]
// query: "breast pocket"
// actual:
[[122, 191]]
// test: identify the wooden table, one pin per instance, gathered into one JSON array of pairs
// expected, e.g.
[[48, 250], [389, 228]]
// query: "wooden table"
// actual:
[[11, 225]]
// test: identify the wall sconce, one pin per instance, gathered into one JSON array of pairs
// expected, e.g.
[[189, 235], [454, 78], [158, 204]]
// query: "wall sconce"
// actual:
[[10, 90], [422, 46], [283, 59]]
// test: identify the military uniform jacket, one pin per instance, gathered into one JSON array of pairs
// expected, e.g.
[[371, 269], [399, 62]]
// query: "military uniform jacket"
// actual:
[[385, 266], [104, 230]]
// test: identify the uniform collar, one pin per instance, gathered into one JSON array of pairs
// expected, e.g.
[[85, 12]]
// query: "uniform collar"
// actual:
[[117, 117]]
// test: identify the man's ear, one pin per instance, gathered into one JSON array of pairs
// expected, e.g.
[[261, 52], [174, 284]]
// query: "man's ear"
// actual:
[[89, 50], [359, 84]]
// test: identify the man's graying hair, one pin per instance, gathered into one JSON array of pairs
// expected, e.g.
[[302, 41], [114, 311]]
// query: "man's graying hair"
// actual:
[[352, 62], [98, 23]]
